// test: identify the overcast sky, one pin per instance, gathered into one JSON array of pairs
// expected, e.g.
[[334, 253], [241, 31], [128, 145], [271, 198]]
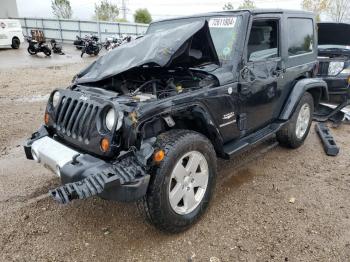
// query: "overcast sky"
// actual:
[[84, 9]]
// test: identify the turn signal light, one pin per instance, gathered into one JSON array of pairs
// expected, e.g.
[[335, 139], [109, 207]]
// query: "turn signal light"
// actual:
[[349, 80], [159, 155], [46, 118], [105, 144]]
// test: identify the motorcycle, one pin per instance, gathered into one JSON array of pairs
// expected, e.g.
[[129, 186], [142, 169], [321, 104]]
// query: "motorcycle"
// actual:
[[56, 48], [91, 46], [79, 43], [112, 43], [37, 47]]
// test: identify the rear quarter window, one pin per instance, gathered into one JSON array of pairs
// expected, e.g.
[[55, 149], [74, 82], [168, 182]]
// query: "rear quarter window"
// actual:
[[13, 24], [300, 36]]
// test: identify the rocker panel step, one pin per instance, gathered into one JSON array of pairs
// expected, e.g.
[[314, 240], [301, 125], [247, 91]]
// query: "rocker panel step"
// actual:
[[329, 144], [236, 146]]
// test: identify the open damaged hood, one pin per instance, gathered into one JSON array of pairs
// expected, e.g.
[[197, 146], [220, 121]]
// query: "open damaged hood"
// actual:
[[334, 34], [168, 48]]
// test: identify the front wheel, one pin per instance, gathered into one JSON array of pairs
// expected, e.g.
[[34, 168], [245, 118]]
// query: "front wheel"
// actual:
[[32, 50], [15, 43], [295, 132], [82, 52], [182, 184]]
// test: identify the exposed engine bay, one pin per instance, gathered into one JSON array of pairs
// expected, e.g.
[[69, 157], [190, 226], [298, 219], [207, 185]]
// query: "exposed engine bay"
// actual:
[[152, 83]]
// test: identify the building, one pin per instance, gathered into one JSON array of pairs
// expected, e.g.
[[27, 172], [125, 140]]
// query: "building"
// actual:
[[8, 9]]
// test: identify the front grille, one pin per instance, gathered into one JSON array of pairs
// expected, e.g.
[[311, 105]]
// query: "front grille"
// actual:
[[323, 68], [75, 118]]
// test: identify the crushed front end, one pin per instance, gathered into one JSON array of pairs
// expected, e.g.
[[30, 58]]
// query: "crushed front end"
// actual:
[[80, 142]]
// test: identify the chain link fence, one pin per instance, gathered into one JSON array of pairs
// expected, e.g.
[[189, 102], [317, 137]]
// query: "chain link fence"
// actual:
[[67, 30]]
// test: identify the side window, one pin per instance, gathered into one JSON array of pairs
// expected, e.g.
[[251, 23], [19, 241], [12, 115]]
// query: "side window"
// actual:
[[300, 36], [263, 40]]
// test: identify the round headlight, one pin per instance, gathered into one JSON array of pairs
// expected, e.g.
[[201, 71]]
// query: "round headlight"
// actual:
[[110, 119], [335, 68], [55, 98]]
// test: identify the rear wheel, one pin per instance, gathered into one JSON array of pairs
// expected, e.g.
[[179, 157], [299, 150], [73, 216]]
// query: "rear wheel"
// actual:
[[182, 184], [295, 132], [47, 51], [96, 51], [15, 43]]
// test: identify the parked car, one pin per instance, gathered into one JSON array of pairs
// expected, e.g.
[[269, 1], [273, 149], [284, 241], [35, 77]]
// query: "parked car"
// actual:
[[147, 121], [11, 33], [334, 57]]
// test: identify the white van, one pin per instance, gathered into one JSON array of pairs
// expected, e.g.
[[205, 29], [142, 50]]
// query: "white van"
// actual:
[[11, 33]]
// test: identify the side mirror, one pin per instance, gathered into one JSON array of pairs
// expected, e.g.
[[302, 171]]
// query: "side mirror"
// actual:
[[244, 73]]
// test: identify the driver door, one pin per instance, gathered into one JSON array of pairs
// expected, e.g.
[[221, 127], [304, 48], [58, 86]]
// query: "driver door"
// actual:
[[260, 78]]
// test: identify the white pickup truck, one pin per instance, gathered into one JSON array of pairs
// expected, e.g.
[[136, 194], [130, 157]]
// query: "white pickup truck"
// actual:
[[11, 33]]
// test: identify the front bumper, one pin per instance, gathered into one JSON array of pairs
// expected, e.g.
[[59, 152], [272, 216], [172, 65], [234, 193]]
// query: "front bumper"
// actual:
[[84, 175]]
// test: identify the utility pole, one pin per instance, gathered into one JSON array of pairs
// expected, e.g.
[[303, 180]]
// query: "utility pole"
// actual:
[[124, 9]]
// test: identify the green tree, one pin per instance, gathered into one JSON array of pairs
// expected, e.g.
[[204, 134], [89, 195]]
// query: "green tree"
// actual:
[[228, 6], [106, 11], [61, 9], [142, 15], [247, 4], [121, 20], [316, 6]]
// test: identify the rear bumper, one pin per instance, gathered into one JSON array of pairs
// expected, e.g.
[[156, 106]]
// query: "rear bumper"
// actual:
[[84, 175]]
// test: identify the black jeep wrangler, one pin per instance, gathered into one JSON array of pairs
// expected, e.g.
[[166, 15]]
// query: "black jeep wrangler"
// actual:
[[146, 121]]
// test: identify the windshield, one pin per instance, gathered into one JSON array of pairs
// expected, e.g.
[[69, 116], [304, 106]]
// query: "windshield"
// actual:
[[223, 31]]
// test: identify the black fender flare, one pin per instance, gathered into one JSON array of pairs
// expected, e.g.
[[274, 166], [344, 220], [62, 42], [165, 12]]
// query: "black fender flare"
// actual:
[[201, 111], [302, 86]]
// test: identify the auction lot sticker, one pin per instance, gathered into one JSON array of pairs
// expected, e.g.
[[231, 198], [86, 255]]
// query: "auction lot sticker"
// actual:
[[222, 22]]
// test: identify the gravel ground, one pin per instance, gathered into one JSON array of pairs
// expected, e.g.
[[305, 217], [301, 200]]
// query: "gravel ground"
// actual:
[[251, 217]]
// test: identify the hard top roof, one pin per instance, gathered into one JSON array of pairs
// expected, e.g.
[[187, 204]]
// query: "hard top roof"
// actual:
[[252, 11]]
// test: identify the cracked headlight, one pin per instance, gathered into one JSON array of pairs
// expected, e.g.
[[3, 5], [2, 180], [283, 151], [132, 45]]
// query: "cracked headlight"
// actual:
[[110, 119], [56, 98], [335, 68]]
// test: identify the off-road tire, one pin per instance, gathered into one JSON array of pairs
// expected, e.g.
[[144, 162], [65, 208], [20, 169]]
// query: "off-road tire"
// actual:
[[15, 43], [155, 206], [287, 135]]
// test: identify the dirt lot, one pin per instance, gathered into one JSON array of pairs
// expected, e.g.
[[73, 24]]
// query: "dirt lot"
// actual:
[[250, 218]]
